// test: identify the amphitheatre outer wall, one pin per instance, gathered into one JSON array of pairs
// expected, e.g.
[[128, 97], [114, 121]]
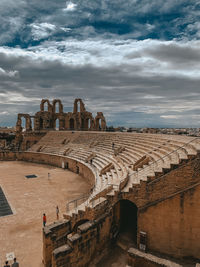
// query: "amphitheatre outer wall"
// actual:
[[168, 211]]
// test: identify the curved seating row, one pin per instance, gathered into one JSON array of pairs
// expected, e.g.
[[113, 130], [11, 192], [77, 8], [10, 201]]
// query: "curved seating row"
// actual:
[[163, 151]]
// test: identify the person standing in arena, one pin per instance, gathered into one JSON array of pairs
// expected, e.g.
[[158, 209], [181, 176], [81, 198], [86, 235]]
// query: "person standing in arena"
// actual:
[[15, 263], [6, 264], [57, 213], [44, 219]]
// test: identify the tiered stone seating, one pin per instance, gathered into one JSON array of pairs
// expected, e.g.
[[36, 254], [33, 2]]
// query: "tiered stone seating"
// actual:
[[163, 151]]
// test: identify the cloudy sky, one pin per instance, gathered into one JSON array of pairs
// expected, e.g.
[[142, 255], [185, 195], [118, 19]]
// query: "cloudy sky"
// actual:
[[138, 61]]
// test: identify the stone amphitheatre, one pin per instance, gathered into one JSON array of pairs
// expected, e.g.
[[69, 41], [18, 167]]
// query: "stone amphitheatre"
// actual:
[[138, 190]]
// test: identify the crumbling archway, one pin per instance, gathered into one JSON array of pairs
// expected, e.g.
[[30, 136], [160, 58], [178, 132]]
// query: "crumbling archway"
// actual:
[[88, 123], [57, 124], [24, 122], [100, 122], [42, 105], [126, 218], [82, 106], [57, 103]]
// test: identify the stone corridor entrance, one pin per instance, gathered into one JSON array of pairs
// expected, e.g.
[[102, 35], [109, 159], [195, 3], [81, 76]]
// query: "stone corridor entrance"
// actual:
[[125, 216]]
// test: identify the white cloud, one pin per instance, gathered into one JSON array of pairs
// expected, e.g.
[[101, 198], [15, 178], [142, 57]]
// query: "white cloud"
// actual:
[[42, 30], [10, 74], [70, 6], [66, 29], [170, 116], [15, 98], [4, 113]]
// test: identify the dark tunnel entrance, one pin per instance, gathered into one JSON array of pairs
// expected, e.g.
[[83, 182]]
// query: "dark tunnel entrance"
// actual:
[[125, 217]]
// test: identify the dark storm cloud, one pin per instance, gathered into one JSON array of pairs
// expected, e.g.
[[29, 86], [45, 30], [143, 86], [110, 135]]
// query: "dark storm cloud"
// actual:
[[176, 54], [29, 22]]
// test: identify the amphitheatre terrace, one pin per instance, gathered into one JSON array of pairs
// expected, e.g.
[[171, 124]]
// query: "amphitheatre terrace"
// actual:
[[144, 189]]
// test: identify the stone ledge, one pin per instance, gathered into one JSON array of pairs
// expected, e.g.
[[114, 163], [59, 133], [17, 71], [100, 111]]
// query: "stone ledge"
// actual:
[[137, 254], [66, 249], [85, 227]]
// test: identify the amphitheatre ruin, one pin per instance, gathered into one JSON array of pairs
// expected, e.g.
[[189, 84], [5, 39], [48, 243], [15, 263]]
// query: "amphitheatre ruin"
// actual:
[[139, 191]]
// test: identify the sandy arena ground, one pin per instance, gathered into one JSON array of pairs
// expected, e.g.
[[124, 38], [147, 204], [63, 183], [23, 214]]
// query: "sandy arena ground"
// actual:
[[21, 232]]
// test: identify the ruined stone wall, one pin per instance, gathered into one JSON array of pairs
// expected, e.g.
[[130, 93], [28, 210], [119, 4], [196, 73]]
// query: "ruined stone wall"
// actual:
[[8, 155], [29, 139], [54, 236], [90, 239], [53, 117]]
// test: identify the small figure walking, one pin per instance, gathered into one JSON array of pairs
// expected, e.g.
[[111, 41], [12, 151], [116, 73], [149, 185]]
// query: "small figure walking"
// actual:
[[15, 263], [57, 213], [48, 175], [91, 161], [6, 264], [113, 146], [44, 219]]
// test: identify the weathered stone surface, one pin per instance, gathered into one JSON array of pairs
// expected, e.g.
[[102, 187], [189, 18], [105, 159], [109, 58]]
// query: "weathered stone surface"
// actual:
[[138, 258]]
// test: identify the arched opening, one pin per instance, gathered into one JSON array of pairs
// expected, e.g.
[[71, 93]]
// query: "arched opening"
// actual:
[[78, 106], [45, 105], [32, 123], [88, 124], [79, 223], [41, 123], [77, 169], [57, 124], [71, 124], [125, 218], [57, 107], [98, 124], [23, 124]]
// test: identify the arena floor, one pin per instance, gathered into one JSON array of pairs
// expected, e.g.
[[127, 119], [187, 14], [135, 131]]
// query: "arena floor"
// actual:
[[21, 232]]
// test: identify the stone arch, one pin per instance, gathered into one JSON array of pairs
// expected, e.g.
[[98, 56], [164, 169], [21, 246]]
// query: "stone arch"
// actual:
[[89, 123], [81, 122], [125, 218], [60, 106], [100, 122], [57, 124], [28, 122], [32, 122], [42, 105], [82, 106]]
